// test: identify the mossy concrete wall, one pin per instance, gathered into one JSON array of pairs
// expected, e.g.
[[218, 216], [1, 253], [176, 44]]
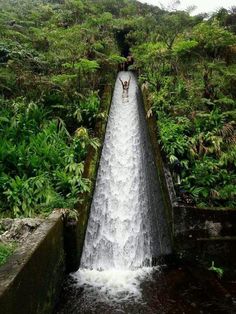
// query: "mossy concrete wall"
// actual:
[[160, 165], [75, 230], [31, 280], [198, 234], [205, 234]]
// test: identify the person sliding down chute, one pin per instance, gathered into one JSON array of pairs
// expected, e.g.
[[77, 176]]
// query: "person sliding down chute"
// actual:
[[125, 86]]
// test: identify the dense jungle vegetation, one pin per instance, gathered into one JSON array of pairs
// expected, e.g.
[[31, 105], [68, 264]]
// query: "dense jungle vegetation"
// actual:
[[55, 59]]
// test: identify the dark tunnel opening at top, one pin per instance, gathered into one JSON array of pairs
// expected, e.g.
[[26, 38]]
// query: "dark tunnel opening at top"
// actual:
[[123, 43]]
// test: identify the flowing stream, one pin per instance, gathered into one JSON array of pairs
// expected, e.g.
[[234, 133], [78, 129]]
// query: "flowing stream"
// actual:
[[126, 228]]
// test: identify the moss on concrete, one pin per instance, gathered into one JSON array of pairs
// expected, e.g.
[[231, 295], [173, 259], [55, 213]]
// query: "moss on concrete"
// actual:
[[31, 280], [6, 250], [153, 133]]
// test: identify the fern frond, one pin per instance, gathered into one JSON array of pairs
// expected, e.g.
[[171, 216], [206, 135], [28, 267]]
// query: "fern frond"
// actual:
[[227, 130]]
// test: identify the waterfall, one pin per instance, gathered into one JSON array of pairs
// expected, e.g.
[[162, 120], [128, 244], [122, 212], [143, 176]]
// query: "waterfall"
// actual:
[[127, 227]]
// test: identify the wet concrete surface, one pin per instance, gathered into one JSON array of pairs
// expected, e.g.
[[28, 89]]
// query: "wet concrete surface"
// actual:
[[174, 290]]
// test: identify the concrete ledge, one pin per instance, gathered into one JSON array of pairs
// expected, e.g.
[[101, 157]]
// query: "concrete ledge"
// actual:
[[30, 281]]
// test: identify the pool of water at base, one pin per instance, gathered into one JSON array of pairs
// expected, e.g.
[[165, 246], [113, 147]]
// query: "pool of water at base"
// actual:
[[173, 290]]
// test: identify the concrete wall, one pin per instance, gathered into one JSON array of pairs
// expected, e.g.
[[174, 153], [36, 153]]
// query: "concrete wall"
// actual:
[[198, 234], [31, 280], [205, 234], [160, 165], [159, 211]]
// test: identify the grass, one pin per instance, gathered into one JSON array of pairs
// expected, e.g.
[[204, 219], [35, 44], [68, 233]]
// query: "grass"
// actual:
[[5, 251]]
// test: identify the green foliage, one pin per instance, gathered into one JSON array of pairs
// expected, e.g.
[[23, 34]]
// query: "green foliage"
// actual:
[[219, 271], [173, 136], [184, 47], [5, 251], [116, 59], [191, 84], [55, 58], [212, 37], [171, 25], [41, 163]]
